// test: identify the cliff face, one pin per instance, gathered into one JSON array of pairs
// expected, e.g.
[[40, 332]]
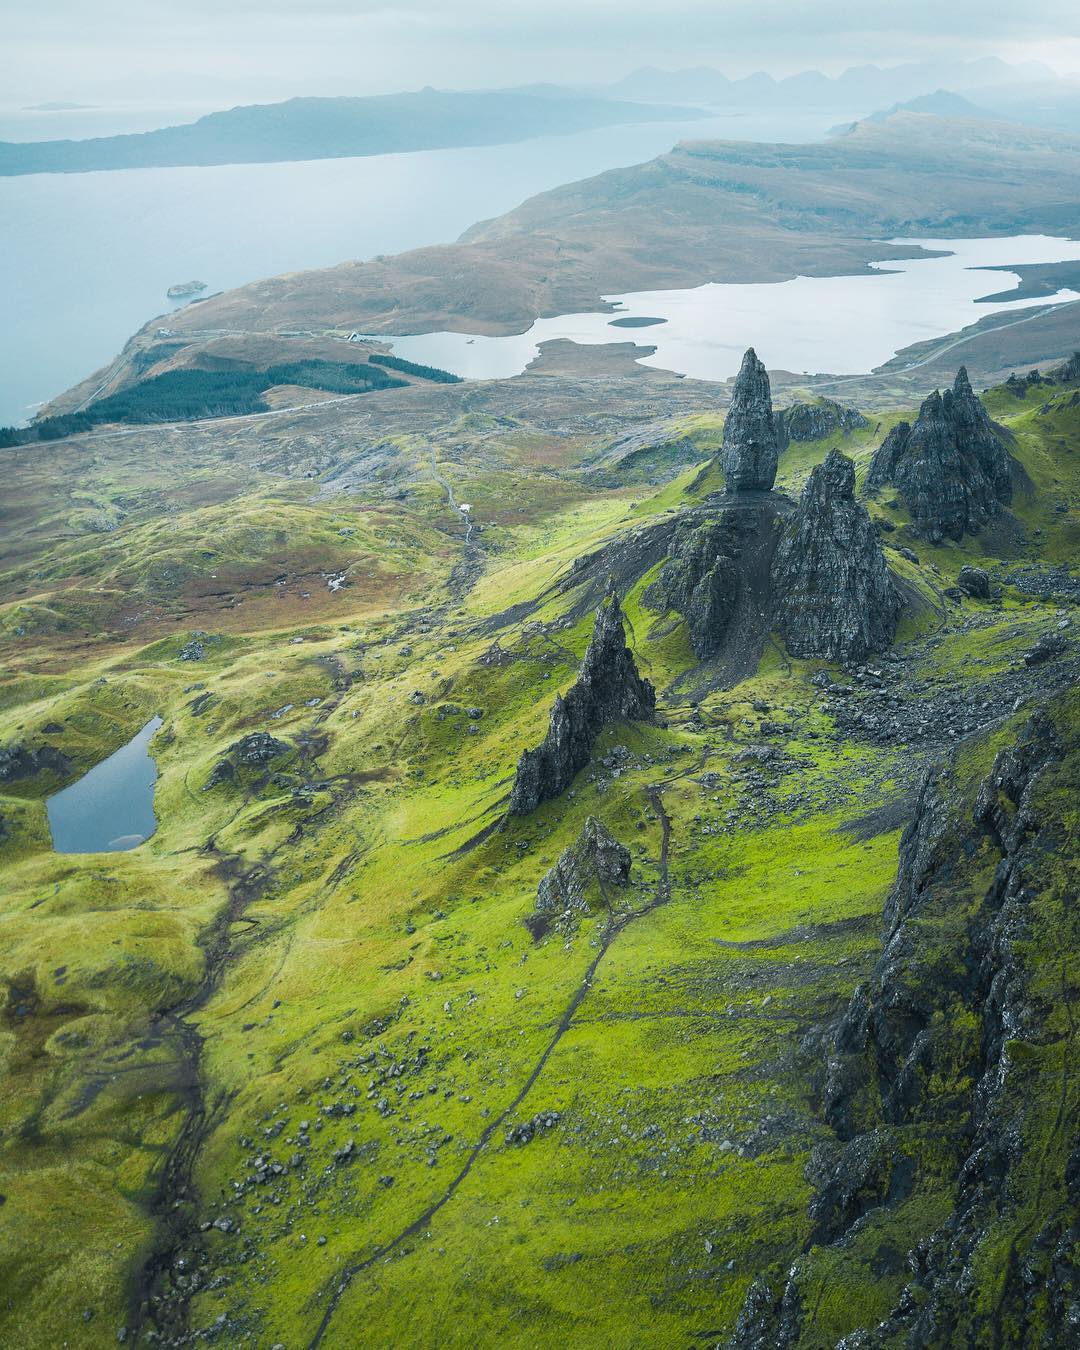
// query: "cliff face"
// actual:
[[608, 689], [951, 468], [749, 453], [832, 591], [701, 580], [948, 1083]]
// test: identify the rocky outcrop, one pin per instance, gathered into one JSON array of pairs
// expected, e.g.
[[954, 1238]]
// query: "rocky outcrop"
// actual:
[[1070, 371], [832, 592], [951, 468], [252, 751], [749, 454], [608, 689], [1047, 647], [700, 580], [577, 884], [21, 761], [974, 581], [814, 421], [948, 1074]]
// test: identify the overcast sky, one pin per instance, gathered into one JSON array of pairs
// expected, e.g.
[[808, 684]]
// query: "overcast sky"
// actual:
[[224, 51]]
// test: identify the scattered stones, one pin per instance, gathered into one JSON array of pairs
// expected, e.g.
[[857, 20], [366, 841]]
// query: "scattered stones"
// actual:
[[194, 650], [527, 1130]]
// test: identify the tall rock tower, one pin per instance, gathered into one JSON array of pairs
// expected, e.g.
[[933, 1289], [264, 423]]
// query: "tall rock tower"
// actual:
[[749, 454]]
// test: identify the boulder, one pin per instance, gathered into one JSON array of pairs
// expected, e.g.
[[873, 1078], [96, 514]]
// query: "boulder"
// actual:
[[974, 581], [832, 591], [1047, 647]]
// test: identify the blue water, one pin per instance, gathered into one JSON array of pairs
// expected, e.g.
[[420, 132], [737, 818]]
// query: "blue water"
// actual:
[[809, 325], [111, 807]]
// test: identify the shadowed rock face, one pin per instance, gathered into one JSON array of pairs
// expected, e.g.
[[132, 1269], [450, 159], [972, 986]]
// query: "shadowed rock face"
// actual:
[[930, 1086], [700, 580], [608, 689], [1070, 370], [950, 467], [833, 593], [749, 453]]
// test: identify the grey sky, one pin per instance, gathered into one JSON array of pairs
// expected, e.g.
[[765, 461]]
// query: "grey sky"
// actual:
[[230, 50]]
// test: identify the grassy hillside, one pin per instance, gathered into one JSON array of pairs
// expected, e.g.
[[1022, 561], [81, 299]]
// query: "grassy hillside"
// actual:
[[263, 1075]]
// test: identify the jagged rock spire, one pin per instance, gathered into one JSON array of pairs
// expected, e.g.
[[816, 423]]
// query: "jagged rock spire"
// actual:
[[833, 593], [608, 688], [951, 467], [749, 454]]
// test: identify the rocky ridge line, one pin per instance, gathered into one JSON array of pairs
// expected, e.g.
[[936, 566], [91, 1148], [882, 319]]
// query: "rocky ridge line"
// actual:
[[951, 468], [608, 688]]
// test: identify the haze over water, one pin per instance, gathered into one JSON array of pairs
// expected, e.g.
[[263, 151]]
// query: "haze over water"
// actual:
[[87, 258]]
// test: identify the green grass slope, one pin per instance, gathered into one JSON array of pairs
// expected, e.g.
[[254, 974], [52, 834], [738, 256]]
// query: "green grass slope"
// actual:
[[262, 1074]]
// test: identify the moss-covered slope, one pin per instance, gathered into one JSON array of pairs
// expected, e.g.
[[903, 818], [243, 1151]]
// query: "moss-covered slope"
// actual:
[[296, 1069]]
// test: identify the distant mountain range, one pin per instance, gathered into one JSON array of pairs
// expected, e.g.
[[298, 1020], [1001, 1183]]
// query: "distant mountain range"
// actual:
[[861, 86], [1053, 104], [330, 128], [430, 119]]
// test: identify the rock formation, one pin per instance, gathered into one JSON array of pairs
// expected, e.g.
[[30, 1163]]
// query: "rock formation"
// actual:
[[608, 688], [812, 421], [951, 468], [576, 885], [749, 453], [253, 751], [934, 1076], [21, 761], [1070, 370], [700, 580], [974, 581], [832, 591]]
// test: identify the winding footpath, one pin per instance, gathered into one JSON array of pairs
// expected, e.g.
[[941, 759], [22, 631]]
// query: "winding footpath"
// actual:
[[613, 928]]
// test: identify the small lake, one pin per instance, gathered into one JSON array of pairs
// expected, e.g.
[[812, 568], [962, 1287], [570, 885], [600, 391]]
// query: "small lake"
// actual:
[[809, 325], [111, 807]]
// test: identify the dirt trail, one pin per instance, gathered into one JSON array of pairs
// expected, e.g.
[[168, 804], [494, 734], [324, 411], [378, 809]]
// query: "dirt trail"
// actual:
[[616, 924]]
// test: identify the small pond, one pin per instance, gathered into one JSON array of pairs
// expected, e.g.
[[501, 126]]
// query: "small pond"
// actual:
[[111, 807]]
